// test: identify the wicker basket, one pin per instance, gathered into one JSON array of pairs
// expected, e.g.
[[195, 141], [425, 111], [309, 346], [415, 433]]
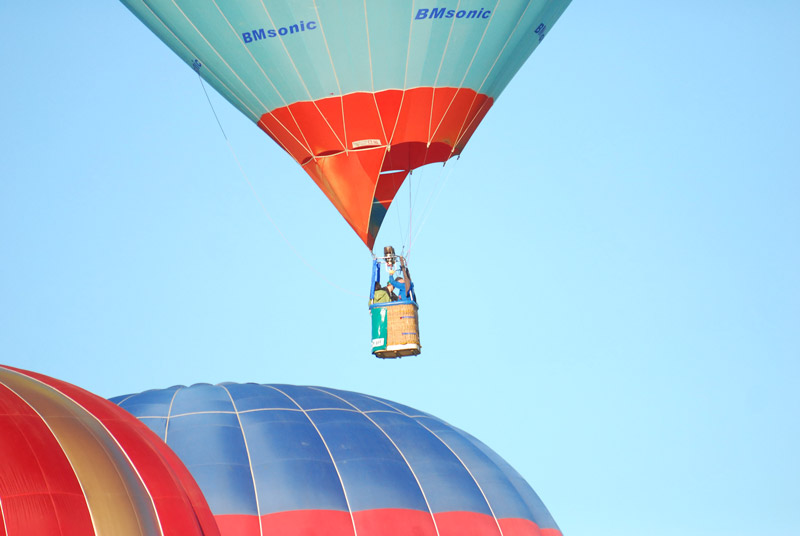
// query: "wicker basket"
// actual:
[[402, 326]]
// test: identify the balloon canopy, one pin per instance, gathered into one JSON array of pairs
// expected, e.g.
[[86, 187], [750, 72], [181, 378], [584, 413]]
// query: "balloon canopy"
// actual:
[[292, 460], [358, 92], [74, 464]]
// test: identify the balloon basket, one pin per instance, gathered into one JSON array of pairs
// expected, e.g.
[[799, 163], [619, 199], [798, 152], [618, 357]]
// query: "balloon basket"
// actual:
[[395, 330]]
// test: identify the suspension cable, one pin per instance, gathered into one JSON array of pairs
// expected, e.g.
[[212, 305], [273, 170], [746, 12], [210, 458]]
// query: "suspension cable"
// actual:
[[431, 201], [261, 204]]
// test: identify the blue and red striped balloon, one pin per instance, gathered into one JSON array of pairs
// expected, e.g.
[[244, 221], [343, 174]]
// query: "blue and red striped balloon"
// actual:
[[291, 460]]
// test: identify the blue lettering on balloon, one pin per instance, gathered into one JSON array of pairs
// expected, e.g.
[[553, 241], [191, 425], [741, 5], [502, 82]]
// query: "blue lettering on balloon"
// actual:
[[261, 33], [445, 13], [541, 30]]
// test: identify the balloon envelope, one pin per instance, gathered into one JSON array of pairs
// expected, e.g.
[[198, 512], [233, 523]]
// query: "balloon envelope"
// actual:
[[358, 92], [72, 463], [292, 460]]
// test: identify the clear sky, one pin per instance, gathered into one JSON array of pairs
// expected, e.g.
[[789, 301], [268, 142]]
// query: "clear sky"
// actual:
[[609, 277]]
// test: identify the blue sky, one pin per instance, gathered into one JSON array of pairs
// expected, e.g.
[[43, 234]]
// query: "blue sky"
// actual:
[[609, 277]]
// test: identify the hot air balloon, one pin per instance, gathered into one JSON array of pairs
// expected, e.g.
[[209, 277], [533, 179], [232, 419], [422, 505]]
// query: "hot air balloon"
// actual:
[[294, 460], [358, 92], [74, 464]]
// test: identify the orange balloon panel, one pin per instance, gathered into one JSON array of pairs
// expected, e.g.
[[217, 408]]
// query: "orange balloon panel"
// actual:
[[346, 143]]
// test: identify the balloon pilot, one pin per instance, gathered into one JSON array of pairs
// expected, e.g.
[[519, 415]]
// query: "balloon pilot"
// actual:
[[393, 308], [396, 266]]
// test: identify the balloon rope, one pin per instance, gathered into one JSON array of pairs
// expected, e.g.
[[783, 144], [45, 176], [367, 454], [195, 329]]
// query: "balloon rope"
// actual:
[[264, 208], [410, 212], [431, 202], [400, 226]]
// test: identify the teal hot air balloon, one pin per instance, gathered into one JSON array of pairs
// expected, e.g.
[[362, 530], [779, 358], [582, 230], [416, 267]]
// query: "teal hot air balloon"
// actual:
[[358, 92]]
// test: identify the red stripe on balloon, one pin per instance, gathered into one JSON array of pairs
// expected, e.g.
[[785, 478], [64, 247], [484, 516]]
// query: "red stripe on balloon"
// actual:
[[422, 115], [525, 527], [345, 142], [383, 522]]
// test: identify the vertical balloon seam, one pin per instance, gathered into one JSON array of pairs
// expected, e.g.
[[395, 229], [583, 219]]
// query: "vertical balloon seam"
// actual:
[[551, 12], [484, 450], [380, 119], [505, 44], [53, 435], [330, 453], [385, 138], [469, 471], [3, 523], [327, 48], [405, 77], [159, 414], [181, 472], [338, 84], [91, 417], [464, 465], [436, 82], [305, 142], [136, 470], [369, 52], [169, 411], [487, 452], [479, 113], [506, 467], [125, 453], [254, 115], [476, 118], [249, 458], [249, 53], [261, 124], [223, 60], [463, 78], [410, 468]]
